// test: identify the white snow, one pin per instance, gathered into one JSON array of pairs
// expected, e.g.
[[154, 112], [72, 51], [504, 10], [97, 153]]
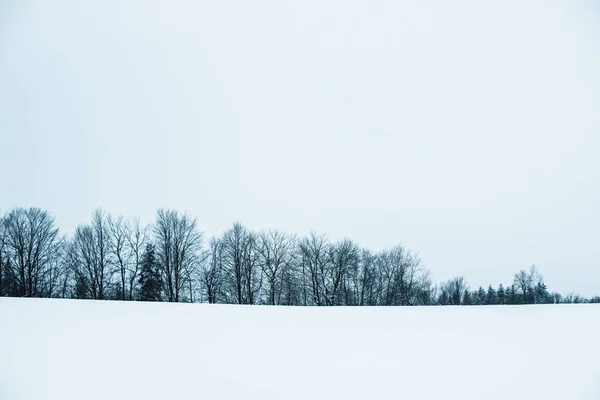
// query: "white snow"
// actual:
[[66, 349]]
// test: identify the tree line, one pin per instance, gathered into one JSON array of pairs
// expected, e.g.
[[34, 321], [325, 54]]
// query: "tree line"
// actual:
[[113, 258]]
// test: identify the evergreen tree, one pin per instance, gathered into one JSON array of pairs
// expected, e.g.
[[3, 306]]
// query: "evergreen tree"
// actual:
[[443, 299], [468, 298], [541, 293], [511, 295], [491, 296], [500, 295], [530, 298], [481, 296], [150, 278]]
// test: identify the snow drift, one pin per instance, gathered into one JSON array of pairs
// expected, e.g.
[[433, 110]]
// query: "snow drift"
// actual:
[[66, 349]]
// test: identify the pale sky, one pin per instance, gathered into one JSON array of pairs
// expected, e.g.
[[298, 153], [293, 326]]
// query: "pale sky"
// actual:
[[469, 131]]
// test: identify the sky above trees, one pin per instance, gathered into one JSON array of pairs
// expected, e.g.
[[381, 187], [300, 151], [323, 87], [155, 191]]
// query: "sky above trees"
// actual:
[[466, 131]]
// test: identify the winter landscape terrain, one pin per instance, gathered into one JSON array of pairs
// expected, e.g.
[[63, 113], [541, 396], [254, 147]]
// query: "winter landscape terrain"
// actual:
[[70, 349]]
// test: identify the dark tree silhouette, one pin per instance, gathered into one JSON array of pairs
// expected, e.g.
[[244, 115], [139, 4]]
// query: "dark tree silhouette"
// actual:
[[150, 279]]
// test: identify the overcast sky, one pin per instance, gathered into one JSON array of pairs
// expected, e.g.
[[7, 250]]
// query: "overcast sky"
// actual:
[[469, 131]]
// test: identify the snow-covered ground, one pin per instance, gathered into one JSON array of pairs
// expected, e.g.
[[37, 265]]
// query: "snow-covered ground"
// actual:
[[65, 349]]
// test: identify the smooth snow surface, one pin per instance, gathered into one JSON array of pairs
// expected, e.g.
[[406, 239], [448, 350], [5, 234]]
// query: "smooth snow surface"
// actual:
[[73, 350]]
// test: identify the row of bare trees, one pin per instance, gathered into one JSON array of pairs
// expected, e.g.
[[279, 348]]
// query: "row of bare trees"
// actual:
[[169, 260]]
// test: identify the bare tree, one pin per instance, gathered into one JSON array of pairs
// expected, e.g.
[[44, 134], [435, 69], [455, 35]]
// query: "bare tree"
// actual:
[[453, 292], [524, 283], [212, 271], [31, 246], [178, 247], [2, 254], [241, 264], [402, 276], [314, 260], [127, 243], [365, 280], [276, 254], [121, 255], [89, 257], [344, 259], [137, 238]]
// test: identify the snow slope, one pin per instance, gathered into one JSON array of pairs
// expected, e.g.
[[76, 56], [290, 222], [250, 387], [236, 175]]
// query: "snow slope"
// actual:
[[65, 349]]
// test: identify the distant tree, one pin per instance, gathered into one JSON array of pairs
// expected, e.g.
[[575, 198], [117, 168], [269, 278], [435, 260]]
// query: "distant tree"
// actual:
[[344, 258], [121, 254], [556, 298], [468, 298], [595, 299], [313, 256], [443, 297], [178, 251], [574, 298], [3, 257], [90, 259], [402, 276], [523, 282], [426, 291], [137, 238], [212, 272], [241, 265], [150, 279], [500, 295], [30, 248], [292, 286], [275, 255], [511, 296], [481, 296], [455, 292], [365, 284], [541, 294], [491, 296]]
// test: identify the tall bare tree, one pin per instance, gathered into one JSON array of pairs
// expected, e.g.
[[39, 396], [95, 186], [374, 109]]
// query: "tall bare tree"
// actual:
[[137, 238], [314, 259], [276, 254], [90, 258], [178, 248], [118, 230], [212, 272], [241, 264], [365, 280], [402, 275], [344, 260], [523, 283], [31, 246], [2, 254]]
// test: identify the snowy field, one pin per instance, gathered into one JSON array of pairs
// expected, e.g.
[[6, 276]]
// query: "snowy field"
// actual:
[[73, 350]]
